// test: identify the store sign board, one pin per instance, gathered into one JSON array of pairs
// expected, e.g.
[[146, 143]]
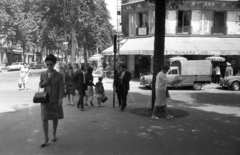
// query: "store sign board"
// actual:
[[134, 1], [129, 53], [202, 52], [146, 52], [142, 31]]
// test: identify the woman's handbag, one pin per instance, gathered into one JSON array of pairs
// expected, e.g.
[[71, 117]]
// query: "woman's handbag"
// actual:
[[41, 97], [104, 99]]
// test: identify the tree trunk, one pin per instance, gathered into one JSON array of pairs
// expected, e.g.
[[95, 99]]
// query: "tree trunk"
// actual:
[[159, 43], [23, 54], [73, 44]]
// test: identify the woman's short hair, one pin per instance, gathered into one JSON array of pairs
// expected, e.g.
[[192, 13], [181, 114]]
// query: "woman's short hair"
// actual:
[[75, 64], [165, 67], [123, 66], [70, 68], [52, 58], [99, 78]]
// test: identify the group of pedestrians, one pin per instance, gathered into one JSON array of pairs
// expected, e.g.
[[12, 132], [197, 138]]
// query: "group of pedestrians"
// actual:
[[55, 83], [217, 72]]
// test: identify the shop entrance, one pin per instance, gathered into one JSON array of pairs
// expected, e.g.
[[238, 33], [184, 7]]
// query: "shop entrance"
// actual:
[[142, 65]]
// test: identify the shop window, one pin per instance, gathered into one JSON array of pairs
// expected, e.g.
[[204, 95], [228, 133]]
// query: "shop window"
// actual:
[[219, 25], [183, 25], [143, 23], [142, 65]]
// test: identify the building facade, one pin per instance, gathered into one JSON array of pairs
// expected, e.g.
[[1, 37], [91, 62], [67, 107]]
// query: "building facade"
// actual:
[[196, 30]]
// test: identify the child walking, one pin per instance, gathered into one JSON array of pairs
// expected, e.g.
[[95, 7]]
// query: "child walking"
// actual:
[[99, 91]]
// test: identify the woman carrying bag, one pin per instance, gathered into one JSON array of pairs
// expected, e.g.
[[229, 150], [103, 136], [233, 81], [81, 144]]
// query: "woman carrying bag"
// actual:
[[53, 84]]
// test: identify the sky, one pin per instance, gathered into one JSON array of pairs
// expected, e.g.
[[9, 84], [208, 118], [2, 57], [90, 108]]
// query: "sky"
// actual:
[[112, 7]]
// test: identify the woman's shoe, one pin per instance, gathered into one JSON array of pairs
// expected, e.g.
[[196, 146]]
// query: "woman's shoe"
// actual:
[[91, 103], [54, 139], [169, 117], [45, 143], [86, 104]]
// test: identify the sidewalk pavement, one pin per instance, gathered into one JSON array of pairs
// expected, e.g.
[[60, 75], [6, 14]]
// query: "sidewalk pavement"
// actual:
[[108, 131]]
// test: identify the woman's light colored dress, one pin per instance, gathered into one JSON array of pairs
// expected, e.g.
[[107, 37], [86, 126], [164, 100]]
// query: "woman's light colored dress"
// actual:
[[161, 87], [23, 75]]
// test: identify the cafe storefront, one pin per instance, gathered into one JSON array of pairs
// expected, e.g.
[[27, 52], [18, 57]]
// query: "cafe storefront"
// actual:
[[137, 53]]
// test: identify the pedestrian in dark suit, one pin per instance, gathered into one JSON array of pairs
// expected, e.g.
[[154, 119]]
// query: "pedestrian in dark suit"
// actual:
[[124, 78], [78, 79], [116, 84]]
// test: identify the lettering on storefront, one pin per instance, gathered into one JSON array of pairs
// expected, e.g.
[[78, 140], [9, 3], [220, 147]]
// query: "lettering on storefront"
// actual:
[[129, 52], [188, 53], [132, 1], [146, 52], [202, 53], [225, 53]]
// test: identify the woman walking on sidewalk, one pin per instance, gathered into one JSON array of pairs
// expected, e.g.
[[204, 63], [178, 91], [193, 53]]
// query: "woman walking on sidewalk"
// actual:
[[24, 73], [70, 89], [52, 82], [89, 86], [161, 93]]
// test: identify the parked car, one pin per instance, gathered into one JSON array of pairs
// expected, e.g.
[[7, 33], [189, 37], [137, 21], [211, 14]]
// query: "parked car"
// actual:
[[231, 82], [195, 73], [37, 65], [15, 66]]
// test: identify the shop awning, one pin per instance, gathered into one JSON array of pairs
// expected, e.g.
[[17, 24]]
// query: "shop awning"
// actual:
[[137, 46], [181, 46], [202, 46]]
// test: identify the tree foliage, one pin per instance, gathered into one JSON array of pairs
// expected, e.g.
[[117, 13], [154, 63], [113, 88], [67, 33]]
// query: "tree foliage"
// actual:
[[45, 22], [19, 17]]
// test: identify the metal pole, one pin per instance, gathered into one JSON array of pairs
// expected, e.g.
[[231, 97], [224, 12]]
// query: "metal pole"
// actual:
[[114, 65]]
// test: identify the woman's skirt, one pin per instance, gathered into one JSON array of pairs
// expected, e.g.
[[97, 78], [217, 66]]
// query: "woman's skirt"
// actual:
[[70, 90], [23, 79], [98, 95], [89, 91], [51, 111]]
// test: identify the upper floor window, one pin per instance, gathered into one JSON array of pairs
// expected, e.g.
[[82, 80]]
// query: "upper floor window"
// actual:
[[219, 23], [183, 25], [143, 23], [143, 19]]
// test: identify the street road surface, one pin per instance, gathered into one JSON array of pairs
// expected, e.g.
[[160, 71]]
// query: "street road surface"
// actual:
[[212, 128]]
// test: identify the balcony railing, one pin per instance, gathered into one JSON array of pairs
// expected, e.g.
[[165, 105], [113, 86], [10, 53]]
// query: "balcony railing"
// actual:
[[219, 30], [184, 29], [142, 30]]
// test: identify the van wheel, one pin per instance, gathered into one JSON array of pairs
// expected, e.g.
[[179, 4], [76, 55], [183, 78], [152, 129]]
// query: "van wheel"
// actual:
[[150, 85], [197, 86], [235, 86]]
